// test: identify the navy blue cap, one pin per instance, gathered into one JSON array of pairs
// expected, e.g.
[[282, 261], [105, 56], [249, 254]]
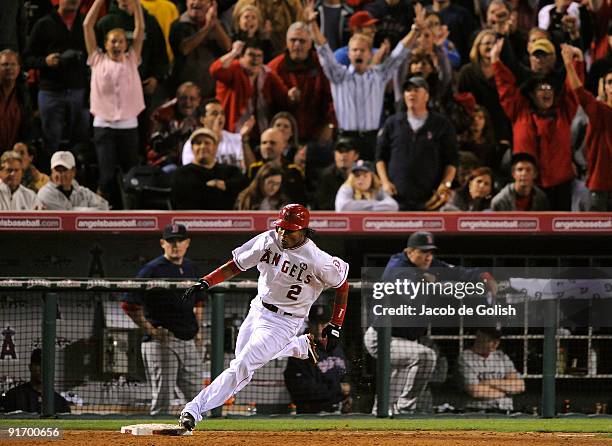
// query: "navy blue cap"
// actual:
[[422, 240], [175, 231]]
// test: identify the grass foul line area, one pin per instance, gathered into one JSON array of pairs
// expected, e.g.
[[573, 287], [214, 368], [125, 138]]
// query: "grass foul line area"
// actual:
[[599, 425]]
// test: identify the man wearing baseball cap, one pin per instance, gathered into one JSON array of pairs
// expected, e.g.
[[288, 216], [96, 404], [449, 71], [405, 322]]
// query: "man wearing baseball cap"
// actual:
[[63, 192], [416, 155], [334, 175], [172, 338], [413, 363], [361, 22], [541, 116], [542, 57], [542, 62], [206, 183]]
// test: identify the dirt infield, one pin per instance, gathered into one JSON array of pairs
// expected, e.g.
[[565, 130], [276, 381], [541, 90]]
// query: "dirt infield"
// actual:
[[336, 438]]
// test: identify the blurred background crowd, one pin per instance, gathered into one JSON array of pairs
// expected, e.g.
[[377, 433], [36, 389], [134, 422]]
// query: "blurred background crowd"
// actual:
[[346, 105]]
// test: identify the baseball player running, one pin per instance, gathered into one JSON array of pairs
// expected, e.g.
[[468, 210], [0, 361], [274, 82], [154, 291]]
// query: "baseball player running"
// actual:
[[293, 272]]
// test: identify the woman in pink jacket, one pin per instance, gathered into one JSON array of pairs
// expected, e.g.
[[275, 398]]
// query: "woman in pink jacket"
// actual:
[[116, 96]]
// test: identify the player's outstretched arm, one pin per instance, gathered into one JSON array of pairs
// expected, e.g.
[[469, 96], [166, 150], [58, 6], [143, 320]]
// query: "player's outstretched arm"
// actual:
[[221, 274], [332, 331]]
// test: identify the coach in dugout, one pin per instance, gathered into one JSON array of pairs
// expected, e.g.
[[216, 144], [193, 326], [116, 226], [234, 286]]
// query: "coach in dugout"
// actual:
[[172, 341], [488, 375], [413, 363]]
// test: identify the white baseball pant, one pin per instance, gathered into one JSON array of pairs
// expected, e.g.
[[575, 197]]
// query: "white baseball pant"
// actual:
[[263, 336]]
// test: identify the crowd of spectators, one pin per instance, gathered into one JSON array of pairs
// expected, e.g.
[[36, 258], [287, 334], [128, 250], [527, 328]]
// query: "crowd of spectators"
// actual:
[[444, 105]]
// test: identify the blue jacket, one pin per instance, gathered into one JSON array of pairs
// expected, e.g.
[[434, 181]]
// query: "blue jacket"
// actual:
[[400, 267], [164, 308], [416, 161]]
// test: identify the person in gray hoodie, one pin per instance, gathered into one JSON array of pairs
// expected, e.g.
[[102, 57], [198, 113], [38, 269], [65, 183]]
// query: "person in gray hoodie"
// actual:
[[63, 193], [522, 194]]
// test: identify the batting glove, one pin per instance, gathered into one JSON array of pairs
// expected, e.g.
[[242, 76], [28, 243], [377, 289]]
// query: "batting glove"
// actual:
[[331, 332], [200, 285]]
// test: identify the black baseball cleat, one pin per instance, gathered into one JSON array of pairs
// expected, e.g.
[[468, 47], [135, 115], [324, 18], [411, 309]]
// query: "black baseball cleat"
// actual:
[[312, 349], [186, 421]]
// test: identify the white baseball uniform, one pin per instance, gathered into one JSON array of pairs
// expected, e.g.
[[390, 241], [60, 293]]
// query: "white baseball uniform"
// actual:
[[474, 368], [291, 280]]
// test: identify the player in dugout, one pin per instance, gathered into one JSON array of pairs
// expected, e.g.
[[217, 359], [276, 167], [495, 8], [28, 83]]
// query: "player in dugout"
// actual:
[[293, 272], [488, 375], [412, 362]]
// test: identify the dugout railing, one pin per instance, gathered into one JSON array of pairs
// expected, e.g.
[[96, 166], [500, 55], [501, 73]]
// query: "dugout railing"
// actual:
[[91, 355]]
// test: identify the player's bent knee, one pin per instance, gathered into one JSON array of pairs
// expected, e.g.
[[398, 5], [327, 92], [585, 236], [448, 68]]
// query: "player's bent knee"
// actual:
[[241, 368]]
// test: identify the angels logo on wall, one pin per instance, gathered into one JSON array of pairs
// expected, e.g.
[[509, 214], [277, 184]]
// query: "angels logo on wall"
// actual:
[[8, 346]]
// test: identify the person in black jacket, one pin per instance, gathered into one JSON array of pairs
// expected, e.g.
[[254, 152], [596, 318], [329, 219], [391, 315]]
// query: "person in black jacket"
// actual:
[[205, 183], [28, 396], [56, 47], [417, 155], [13, 23], [333, 176], [412, 362], [324, 386]]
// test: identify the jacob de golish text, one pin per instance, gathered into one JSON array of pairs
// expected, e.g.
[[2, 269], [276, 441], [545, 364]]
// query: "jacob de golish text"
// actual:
[[463, 310]]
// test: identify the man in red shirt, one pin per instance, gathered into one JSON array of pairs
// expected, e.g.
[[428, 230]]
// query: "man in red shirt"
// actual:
[[298, 66], [541, 119], [598, 144], [246, 87], [15, 112]]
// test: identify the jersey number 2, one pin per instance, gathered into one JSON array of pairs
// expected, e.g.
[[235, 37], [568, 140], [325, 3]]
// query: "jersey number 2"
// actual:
[[294, 291]]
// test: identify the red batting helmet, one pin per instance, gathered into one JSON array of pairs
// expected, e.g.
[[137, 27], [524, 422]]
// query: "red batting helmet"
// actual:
[[293, 217]]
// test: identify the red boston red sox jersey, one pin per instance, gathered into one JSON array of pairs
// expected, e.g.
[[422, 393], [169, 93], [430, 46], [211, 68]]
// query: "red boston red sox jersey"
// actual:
[[292, 279]]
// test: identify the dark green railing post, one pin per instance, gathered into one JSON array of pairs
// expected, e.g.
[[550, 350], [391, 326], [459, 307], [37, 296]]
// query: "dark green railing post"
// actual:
[[48, 354], [383, 371], [217, 332], [549, 365]]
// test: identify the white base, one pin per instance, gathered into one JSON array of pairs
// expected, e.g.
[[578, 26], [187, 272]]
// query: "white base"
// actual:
[[155, 429]]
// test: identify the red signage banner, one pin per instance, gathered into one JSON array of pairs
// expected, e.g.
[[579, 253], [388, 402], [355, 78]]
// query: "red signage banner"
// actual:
[[324, 222]]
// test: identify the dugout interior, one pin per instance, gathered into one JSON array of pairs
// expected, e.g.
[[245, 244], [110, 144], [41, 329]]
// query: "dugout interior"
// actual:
[[98, 368]]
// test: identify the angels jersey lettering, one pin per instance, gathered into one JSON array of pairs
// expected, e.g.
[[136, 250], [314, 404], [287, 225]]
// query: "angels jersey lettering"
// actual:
[[292, 279]]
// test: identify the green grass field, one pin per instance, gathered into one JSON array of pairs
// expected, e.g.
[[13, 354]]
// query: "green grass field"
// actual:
[[599, 425]]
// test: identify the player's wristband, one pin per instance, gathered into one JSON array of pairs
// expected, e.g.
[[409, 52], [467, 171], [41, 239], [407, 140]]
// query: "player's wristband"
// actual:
[[340, 304], [338, 314], [221, 274]]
